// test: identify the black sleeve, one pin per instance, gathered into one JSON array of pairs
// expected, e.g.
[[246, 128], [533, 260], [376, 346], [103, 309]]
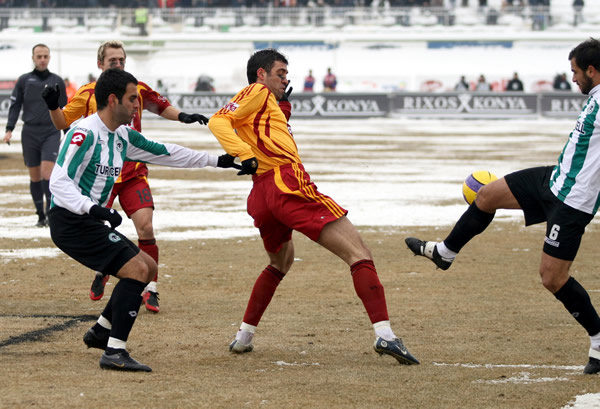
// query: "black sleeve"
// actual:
[[16, 102]]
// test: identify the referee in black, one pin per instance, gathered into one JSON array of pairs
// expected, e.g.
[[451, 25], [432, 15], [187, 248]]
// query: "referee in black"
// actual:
[[39, 138]]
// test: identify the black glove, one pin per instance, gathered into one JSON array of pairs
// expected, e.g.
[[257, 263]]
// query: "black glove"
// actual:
[[226, 161], [110, 215], [249, 167], [286, 94], [190, 118], [50, 95]]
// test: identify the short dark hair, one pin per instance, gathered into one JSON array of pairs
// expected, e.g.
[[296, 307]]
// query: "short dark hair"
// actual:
[[263, 59], [39, 45], [112, 81], [586, 54]]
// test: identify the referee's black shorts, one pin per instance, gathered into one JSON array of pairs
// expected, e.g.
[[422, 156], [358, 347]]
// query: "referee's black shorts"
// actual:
[[89, 241], [565, 225]]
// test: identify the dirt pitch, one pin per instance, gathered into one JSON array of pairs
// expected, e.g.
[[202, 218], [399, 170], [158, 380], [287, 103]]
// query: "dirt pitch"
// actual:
[[487, 333]]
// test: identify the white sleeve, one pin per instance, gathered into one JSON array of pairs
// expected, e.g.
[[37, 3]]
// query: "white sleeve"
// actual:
[[66, 194], [141, 149]]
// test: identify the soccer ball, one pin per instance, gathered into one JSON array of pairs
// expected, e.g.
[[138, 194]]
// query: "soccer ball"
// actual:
[[474, 182]]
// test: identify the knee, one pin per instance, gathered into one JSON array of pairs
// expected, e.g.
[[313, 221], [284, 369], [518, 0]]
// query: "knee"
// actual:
[[144, 228], [145, 269], [551, 281], [483, 199]]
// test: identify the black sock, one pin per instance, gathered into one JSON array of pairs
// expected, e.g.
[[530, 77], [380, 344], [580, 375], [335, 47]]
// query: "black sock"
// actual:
[[37, 194], [100, 330], [577, 301], [46, 188], [470, 224], [126, 299]]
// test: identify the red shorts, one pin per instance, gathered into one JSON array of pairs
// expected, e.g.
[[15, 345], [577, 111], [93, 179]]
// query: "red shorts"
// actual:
[[284, 199], [134, 194]]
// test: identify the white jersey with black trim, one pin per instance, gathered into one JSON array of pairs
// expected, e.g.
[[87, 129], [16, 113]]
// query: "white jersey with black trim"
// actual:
[[91, 158], [575, 179]]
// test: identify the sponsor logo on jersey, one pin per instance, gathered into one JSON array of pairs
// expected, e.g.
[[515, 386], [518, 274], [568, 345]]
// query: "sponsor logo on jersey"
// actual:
[[105, 170], [119, 146], [579, 126], [78, 138], [232, 106]]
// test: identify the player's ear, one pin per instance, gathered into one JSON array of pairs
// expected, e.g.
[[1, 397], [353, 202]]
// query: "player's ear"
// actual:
[[261, 74]]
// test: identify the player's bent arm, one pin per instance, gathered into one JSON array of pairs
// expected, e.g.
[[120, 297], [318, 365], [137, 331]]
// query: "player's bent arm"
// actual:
[[65, 194], [58, 119], [222, 129]]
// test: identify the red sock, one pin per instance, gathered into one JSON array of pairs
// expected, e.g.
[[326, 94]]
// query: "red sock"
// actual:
[[369, 290], [263, 291], [150, 247]]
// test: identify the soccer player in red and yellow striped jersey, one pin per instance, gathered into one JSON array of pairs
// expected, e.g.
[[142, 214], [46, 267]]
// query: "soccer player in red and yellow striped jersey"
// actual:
[[132, 185], [253, 127]]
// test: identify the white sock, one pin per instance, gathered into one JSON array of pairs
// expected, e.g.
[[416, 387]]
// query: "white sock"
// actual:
[[116, 343], [595, 341], [103, 322], [384, 330], [151, 286], [444, 251], [245, 333]]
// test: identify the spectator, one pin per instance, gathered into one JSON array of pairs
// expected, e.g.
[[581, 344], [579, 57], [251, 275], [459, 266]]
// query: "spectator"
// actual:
[[309, 82], [205, 83], [329, 82], [141, 19], [91, 78], [561, 83], [70, 88], [482, 84], [462, 84], [515, 84], [160, 87], [578, 15]]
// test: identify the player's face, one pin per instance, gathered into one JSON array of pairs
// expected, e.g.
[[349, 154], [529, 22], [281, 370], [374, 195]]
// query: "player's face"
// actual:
[[41, 58], [113, 58], [276, 80], [580, 77], [126, 109]]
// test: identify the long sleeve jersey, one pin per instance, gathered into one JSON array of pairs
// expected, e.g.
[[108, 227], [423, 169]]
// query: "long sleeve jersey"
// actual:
[[575, 179], [91, 159], [252, 124], [83, 105], [27, 94]]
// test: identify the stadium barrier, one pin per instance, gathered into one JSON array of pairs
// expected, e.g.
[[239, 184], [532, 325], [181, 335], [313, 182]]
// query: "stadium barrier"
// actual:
[[469, 105]]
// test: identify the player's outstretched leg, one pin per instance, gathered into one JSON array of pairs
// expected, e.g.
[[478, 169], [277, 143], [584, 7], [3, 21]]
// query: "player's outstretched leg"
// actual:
[[428, 249]]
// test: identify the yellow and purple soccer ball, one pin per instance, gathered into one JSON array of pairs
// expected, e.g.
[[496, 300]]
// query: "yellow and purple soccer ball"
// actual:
[[474, 182]]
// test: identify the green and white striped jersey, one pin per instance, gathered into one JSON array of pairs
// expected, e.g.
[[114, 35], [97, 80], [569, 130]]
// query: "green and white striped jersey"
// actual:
[[91, 158], [575, 179]]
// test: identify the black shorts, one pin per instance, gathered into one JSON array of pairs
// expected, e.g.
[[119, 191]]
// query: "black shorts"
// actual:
[[39, 145], [89, 241], [564, 225]]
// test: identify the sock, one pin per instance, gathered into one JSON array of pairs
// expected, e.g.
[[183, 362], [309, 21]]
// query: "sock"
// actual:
[[37, 194], [444, 251], [470, 224], [369, 290], [577, 301], [126, 300], [115, 346], [245, 333], [102, 325], [261, 295], [384, 330], [46, 189], [150, 247], [151, 286], [595, 341]]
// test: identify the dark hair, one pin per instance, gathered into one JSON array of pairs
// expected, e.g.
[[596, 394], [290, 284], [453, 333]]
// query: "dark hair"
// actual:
[[263, 59], [39, 45], [586, 54], [112, 81]]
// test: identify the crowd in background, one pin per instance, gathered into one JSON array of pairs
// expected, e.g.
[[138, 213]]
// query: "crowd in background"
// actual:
[[249, 3]]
